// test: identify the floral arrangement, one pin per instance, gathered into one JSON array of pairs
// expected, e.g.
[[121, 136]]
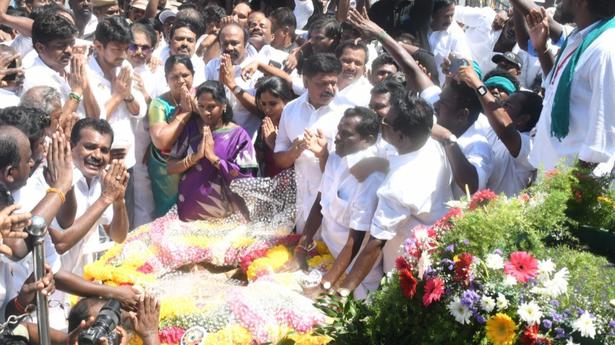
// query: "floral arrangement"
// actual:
[[494, 270]]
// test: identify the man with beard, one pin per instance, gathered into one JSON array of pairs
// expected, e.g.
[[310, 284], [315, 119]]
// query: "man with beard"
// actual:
[[85, 20], [307, 125], [227, 70], [353, 86], [577, 120], [53, 38], [182, 41], [120, 102]]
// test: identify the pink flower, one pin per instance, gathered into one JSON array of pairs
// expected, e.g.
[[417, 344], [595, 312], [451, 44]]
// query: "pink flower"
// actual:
[[445, 222], [146, 268], [434, 289], [171, 335], [482, 198], [522, 266]]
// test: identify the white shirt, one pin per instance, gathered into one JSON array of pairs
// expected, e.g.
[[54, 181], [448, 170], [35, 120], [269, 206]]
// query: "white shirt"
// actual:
[[39, 74], [197, 64], [242, 116], [357, 93], [413, 193], [591, 135], [349, 204], [121, 119], [8, 99], [267, 54], [511, 174], [297, 116], [82, 252], [477, 150], [303, 11], [445, 42], [479, 34]]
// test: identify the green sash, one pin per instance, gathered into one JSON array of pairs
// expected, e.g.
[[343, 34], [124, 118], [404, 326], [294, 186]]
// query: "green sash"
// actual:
[[560, 113]]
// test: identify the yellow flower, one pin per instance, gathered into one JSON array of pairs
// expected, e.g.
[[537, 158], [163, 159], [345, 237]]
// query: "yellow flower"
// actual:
[[243, 242], [324, 261], [231, 335], [275, 258], [501, 329], [321, 248], [308, 339]]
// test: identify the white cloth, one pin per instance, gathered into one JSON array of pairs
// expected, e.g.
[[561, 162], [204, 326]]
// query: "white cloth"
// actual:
[[358, 93], [83, 252], [349, 204], [90, 27], [297, 116], [445, 42], [197, 64], [242, 116], [591, 135], [479, 34], [121, 119], [303, 11], [477, 150], [267, 54], [39, 74], [413, 193], [8, 99], [22, 45], [511, 174]]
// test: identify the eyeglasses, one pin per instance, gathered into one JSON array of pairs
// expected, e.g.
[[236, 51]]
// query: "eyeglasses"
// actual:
[[133, 48]]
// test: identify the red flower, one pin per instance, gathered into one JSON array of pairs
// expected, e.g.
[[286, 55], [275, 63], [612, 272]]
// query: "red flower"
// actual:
[[530, 336], [401, 264], [522, 266], [445, 222], [434, 289], [482, 198], [408, 283], [462, 267], [146, 268]]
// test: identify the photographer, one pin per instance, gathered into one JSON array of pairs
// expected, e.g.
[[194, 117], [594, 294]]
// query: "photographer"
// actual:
[[91, 313]]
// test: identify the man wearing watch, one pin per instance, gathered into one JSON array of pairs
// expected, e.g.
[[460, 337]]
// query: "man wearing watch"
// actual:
[[227, 69], [118, 98]]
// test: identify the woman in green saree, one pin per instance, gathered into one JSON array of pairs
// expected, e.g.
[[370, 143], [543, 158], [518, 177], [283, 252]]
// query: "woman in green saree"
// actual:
[[168, 114]]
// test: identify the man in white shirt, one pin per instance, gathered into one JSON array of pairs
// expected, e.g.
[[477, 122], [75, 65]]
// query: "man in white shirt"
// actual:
[[117, 97], [344, 206], [53, 38], [446, 37], [260, 37], [97, 186], [511, 122], [307, 124], [354, 87], [85, 21], [413, 193], [227, 70], [577, 119], [182, 41]]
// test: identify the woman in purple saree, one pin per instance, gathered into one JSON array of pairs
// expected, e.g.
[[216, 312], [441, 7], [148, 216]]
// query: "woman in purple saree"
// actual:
[[210, 153]]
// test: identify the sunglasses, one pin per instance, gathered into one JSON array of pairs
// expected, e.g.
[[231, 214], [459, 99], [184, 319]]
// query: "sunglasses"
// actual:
[[133, 48]]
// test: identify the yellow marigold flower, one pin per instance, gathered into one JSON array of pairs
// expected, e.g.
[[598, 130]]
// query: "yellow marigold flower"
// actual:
[[177, 306], [321, 248], [501, 329], [235, 335]]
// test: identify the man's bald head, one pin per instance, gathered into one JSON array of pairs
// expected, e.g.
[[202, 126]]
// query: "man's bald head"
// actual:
[[15, 157]]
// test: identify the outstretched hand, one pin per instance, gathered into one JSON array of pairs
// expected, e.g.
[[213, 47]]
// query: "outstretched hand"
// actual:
[[361, 21], [538, 23]]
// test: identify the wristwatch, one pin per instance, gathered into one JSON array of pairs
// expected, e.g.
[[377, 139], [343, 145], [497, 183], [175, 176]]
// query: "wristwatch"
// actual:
[[237, 90], [452, 139], [481, 90]]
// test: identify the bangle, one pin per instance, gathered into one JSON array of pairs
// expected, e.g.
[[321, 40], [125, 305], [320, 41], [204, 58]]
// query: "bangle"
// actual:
[[129, 99], [75, 96], [381, 35], [60, 193]]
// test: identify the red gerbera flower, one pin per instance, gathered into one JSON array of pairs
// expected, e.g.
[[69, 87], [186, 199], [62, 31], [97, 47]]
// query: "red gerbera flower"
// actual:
[[434, 289], [462, 267], [401, 264], [522, 266], [408, 283], [482, 198], [530, 336]]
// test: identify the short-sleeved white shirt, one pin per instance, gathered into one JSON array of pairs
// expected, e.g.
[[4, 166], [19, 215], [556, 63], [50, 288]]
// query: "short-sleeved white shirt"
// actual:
[[413, 193], [297, 116]]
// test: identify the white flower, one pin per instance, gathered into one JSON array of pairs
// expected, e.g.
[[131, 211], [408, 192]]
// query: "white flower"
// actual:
[[420, 234], [546, 267], [424, 263], [555, 286], [570, 342], [501, 302], [530, 313], [585, 325], [509, 280], [461, 313], [494, 261], [487, 303]]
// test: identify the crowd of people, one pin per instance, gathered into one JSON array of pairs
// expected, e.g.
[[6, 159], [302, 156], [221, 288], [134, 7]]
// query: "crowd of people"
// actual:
[[115, 113]]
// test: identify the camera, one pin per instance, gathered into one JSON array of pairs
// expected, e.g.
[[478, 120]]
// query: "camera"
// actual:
[[108, 318]]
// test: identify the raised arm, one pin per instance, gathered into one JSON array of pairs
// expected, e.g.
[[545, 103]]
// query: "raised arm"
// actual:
[[525, 6], [414, 74]]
